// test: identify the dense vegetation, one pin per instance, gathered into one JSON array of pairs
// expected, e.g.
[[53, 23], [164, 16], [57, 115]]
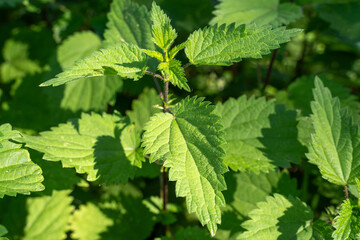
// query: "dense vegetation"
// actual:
[[134, 119]]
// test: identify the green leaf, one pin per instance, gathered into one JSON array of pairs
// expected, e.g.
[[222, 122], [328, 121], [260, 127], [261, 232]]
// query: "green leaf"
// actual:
[[89, 222], [347, 223], [175, 73], [321, 230], [335, 145], [103, 146], [162, 31], [279, 217], [176, 49], [129, 22], [343, 17], [18, 174], [189, 140], [260, 135], [245, 190], [85, 94], [154, 54], [17, 63], [44, 212], [144, 107], [223, 45], [3, 232], [192, 233], [256, 11], [125, 60]]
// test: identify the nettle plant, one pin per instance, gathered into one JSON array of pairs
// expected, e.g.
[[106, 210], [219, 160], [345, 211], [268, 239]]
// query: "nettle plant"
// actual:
[[193, 141]]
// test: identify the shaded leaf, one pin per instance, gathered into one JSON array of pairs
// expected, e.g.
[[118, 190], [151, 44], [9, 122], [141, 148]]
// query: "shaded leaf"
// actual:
[[260, 135]]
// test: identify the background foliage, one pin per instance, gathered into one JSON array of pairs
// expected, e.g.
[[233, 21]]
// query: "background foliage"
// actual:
[[41, 38]]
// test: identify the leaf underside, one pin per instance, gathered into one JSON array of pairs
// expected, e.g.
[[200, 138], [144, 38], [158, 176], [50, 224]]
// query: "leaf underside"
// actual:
[[189, 143]]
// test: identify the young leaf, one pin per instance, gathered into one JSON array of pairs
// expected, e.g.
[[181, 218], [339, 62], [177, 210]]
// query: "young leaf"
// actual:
[[223, 45], [144, 107], [176, 49], [335, 145], [105, 147], [175, 73], [256, 11], [129, 22], [163, 33], [189, 142], [279, 217], [125, 60], [44, 212], [154, 54], [347, 223], [259, 134], [18, 174], [89, 222]]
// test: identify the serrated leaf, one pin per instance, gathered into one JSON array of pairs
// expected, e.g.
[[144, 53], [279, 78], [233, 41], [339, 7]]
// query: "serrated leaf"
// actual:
[[279, 217], [251, 127], [17, 63], [125, 60], [144, 107], [335, 145], [347, 223], [44, 212], [256, 11], [189, 140], [224, 45], [89, 222], [93, 144], [247, 189], [176, 49], [153, 54], [175, 73], [85, 94], [18, 174], [162, 31], [129, 22]]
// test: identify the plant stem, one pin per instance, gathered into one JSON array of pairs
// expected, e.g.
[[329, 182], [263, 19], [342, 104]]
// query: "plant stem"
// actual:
[[158, 88], [346, 192], [268, 74], [154, 75], [164, 188], [166, 92]]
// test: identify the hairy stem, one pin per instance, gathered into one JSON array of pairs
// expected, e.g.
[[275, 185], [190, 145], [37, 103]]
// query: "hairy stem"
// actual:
[[269, 71], [164, 188], [346, 192]]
